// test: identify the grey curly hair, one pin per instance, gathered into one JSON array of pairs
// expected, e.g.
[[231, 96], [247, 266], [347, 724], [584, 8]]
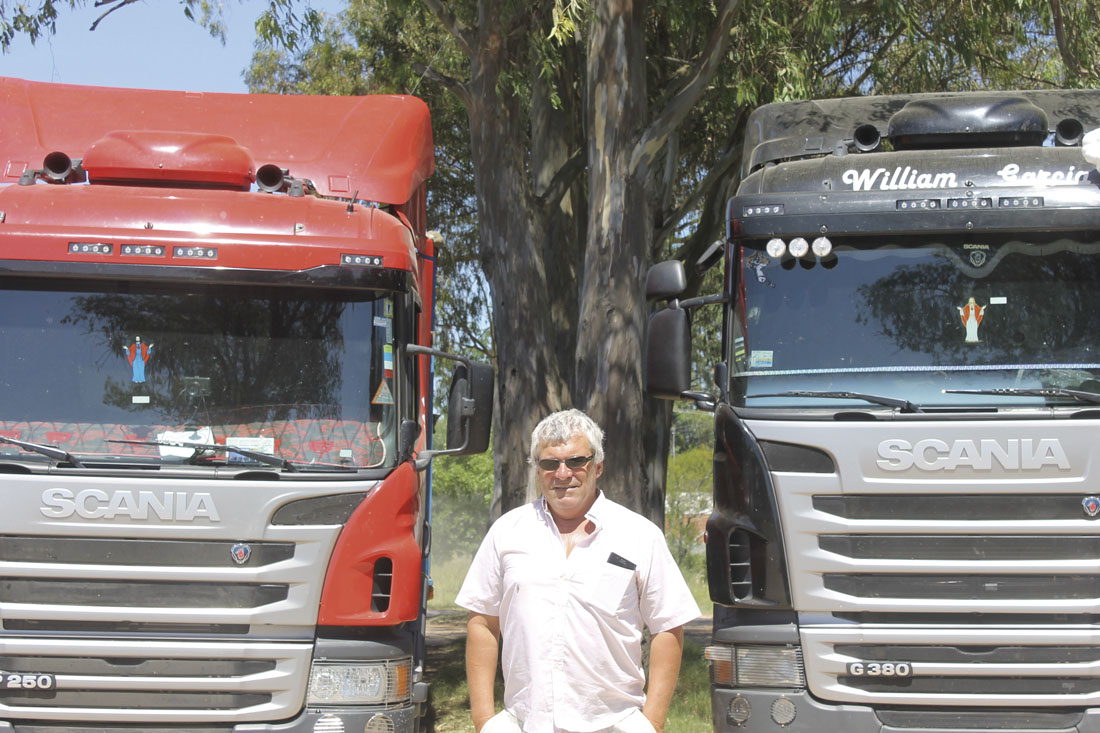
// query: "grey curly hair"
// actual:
[[560, 427]]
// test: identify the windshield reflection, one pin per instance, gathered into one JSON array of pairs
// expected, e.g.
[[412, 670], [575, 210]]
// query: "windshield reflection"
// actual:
[[909, 320], [305, 376]]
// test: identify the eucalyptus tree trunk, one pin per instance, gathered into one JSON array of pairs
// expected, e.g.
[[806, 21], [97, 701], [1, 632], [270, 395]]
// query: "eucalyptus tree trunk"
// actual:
[[624, 192], [613, 310]]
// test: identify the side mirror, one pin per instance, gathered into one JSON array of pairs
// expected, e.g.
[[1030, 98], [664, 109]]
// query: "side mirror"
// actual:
[[469, 406], [668, 353], [665, 280], [470, 409]]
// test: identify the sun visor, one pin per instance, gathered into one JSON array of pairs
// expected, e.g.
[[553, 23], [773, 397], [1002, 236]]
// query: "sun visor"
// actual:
[[376, 148]]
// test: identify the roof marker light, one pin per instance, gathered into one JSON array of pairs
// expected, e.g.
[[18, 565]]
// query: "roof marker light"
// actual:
[[822, 246], [361, 260], [776, 248], [799, 247]]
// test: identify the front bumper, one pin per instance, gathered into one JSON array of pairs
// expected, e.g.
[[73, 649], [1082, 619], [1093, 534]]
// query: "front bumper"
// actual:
[[815, 716], [398, 720]]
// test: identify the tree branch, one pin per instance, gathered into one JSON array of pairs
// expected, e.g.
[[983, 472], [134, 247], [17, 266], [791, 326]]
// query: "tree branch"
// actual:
[[115, 5], [682, 102], [730, 158], [563, 179], [448, 82], [461, 32], [1069, 58], [853, 88]]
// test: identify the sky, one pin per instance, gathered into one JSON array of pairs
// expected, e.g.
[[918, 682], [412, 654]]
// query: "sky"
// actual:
[[147, 45]]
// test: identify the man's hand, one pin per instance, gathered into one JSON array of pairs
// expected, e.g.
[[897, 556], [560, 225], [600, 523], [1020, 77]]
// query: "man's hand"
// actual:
[[666, 649], [482, 649]]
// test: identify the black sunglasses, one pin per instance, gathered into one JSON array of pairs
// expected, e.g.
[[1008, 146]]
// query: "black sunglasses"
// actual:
[[573, 463]]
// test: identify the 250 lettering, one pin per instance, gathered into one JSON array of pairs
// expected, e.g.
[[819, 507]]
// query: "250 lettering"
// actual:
[[880, 669], [27, 682]]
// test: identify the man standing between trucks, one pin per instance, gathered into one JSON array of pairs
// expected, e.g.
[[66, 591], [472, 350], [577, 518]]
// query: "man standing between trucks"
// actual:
[[567, 582]]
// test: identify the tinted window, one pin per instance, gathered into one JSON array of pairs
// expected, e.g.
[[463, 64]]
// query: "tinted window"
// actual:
[[910, 321], [304, 375]]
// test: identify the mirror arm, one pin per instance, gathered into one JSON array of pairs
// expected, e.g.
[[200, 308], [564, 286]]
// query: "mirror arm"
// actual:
[[704, 300], [469, 407]]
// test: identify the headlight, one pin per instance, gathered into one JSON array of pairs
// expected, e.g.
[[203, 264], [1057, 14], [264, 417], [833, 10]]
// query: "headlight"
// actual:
[[359, 683], [756, 666]]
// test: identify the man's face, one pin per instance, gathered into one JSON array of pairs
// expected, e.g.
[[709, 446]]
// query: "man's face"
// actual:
[[569, 492]]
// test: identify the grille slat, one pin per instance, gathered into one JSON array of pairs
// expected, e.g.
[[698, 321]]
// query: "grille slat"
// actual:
[[141, 594], [941, 507], [979, 548], [965, 587], [138, 553]]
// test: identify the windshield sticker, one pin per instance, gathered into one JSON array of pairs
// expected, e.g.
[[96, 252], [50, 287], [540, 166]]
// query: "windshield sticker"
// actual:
[[383, 396], [760, 359], [387, 360], [972, 315], [259, 445], [758, 261], [198, 435], [978, 253], [137, 354], [386, 323]]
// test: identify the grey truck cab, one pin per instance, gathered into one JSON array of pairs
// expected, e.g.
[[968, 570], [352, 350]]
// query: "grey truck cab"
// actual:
[[905, 531]]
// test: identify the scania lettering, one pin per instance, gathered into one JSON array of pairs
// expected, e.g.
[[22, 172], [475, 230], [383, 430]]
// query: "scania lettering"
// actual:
[[906, 463], [216, 395], [931, 454], [98, 504]]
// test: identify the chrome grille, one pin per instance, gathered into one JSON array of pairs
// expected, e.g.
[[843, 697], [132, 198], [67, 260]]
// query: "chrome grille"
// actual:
[[959, 666], [154, 621], [156, 681], [983, 576]]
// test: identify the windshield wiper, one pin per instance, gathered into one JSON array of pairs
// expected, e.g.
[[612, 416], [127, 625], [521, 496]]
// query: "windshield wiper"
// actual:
[[1091, 398], [50, 451], [265, 458], [903, 405]]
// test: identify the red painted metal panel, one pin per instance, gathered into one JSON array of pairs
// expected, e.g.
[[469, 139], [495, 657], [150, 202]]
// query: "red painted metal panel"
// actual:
[[249, 230], [379, 145], [383, 526]]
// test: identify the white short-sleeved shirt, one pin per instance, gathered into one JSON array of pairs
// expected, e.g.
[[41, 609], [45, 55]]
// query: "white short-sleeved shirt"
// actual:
[[571, 627]]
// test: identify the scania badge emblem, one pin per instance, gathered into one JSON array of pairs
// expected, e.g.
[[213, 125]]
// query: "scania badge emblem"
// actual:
[[241, 552], [1091, 505]]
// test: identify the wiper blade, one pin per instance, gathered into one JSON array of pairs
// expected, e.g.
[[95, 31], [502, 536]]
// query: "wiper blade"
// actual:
[[50, 451], [1091, 398], [265, 458], [903, 405]]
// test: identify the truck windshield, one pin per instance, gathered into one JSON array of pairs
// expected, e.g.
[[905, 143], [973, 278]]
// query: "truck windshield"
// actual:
[[307, 375], [908, 320]]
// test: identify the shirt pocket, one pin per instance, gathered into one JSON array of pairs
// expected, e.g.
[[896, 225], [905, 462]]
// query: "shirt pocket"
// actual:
[[612, 589]]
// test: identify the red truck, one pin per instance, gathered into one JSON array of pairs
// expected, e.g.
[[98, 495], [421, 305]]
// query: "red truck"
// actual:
[[216, 410]]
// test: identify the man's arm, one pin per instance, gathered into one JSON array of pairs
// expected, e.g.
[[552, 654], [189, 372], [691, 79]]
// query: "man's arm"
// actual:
[[665, 652], [482, 648]]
